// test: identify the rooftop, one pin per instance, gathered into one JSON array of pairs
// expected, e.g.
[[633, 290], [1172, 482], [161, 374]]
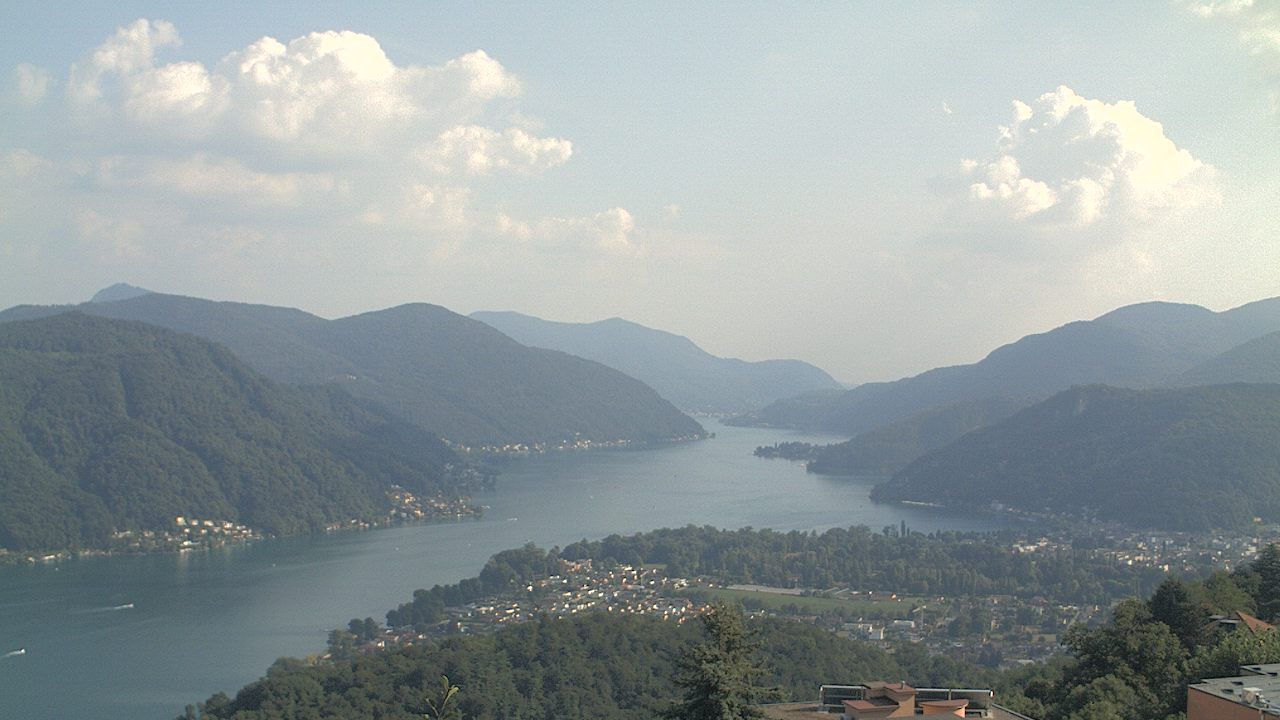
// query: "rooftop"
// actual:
[[1257, 686]]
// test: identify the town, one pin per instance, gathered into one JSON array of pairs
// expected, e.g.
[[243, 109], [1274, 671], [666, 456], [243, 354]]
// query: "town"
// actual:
[[996, 631]]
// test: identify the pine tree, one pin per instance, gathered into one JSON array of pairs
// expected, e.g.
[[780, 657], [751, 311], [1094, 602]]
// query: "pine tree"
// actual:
[[1268, 568], [719, 675]]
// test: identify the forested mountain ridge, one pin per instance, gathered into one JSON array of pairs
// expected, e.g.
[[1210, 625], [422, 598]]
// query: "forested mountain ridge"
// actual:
[[1138, 346], [1189, 459], [452, 376], [690, 377], [886, 450], [1256, 361], [109, 425]]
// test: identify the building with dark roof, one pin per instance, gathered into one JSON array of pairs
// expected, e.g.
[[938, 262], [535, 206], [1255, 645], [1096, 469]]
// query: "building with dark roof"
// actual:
[[1252, 695], [874, 700]]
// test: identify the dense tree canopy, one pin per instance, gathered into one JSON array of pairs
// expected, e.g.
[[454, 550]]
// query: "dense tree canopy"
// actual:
[[1190, 459], [108, 425]]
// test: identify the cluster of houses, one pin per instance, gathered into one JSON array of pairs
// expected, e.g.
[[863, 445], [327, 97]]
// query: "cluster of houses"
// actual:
[[580, 587], [187, 533]]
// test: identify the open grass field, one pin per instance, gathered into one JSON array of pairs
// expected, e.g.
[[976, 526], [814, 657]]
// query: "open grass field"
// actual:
[[811, 605]]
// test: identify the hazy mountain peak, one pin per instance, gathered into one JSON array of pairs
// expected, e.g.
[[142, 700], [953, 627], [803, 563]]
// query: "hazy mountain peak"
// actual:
[[1155, 310], [1136, 346], [119, 291], [672, 364]]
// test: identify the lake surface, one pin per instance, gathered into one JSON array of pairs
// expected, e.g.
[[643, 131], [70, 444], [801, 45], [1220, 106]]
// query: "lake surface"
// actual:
[[137, 638]]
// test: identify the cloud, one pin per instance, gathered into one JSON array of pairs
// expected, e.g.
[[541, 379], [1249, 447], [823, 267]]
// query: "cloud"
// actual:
[[1070, 161], [477, 150], [332, 95], [322, 138], [203, 176], [612, 230], [1258, 24], [30, 84], [120, 235]]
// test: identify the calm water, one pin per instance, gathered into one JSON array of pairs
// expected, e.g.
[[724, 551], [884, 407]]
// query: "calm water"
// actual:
[[212, 621]]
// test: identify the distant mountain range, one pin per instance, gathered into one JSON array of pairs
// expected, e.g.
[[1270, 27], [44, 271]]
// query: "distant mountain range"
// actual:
[[113, 425], [1140, 346], [455, 377], [688, 376], [1187, 458]]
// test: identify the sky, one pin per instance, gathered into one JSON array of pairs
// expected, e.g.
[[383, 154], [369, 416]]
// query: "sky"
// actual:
[[877, 188]]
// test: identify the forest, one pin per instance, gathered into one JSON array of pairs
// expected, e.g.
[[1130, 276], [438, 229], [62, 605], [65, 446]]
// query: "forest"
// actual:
[[108, 425], [1195, 459]]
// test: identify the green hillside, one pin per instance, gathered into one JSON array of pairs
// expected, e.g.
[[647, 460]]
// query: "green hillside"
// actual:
[[1257, 361], [452, 376], [888, 449], [110, 425], [1193, 459]]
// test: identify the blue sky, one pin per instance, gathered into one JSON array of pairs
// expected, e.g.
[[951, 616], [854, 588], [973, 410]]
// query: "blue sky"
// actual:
[[851, 184]]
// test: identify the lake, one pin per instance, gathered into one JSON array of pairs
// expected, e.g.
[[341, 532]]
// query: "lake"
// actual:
[[139, 637]]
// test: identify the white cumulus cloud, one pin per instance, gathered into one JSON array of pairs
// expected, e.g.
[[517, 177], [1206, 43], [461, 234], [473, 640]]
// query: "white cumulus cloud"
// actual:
[[478, 150], [1073, 161], [612, 230], [333, 94]]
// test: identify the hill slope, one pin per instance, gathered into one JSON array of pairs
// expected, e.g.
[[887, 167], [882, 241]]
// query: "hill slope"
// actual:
[[1192, 458], [888, 449], [690, 377], [1144, 345], [453, 376], [112, 425], [1257, 361]]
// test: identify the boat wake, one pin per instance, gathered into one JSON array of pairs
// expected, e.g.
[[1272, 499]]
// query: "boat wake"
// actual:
[[107, 609], [14, 653]]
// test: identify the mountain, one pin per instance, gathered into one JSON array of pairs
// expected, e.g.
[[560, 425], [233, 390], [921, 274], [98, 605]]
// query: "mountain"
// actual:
[[1144, 345], [1257, 361], [690, 377], [119, 291], [112, 425], [886, 450], [454, 377], [1187, 458]]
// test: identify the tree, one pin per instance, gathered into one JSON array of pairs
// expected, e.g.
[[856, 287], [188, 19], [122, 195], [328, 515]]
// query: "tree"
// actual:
[[1238, 648], [1173, 605], [1267, 566], [719, 675], [1135, 652], [445, 705], [342, 644]]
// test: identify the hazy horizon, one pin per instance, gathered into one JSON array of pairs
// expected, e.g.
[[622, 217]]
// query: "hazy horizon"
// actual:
[[876, 190]]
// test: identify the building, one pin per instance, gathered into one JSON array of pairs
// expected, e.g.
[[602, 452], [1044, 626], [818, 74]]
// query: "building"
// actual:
[[1239, 620], [874, 700], [1254, 694]]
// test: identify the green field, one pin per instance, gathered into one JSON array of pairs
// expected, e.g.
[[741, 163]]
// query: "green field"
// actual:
[[809, 605]]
